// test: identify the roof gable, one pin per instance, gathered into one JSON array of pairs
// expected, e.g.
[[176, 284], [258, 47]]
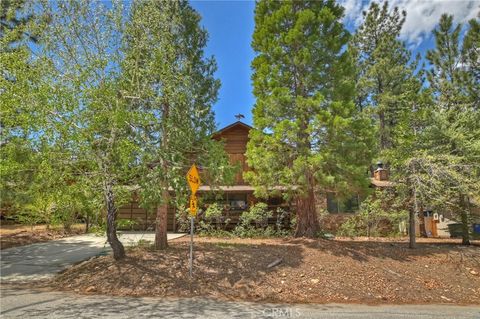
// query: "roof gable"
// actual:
[[237, 124]]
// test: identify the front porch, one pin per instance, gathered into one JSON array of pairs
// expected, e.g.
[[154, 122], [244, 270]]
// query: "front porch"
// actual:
[[234, 200]]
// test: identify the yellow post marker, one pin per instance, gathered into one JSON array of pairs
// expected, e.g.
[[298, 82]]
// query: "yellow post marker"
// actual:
[[193, 205], [193, 179]]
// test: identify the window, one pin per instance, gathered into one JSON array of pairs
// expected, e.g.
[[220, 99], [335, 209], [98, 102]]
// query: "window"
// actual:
[[236, 200], [335, 205]]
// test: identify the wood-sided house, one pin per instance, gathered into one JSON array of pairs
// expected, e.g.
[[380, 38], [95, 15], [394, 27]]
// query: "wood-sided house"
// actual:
[[235, 198], [239, 197]]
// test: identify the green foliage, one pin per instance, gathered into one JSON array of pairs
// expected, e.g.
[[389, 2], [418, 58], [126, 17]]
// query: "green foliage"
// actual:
[[166, 66], [214, 221], [385, 78], [254, 222], [307, 132], [125, 223], [98, 229], [115, 96], [437, 161], [213, 211], [183, 219], [257, 215], [19, 114], [379, 215], [16, 17], [471, 59], [31, 216]]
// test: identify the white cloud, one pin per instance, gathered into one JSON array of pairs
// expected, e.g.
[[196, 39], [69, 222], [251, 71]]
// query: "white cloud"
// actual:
[[422, 15], [353, 10]]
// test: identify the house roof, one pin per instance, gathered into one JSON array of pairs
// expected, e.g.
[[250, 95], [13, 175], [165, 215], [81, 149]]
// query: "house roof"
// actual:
[[239, 188], [237, 123], [233, 188]]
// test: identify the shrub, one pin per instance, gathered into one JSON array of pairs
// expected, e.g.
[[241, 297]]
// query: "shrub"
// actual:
[[379, 215], [30, 217], [214, 215], [125, 223], [254, 222], [257, 215], [183, 219]]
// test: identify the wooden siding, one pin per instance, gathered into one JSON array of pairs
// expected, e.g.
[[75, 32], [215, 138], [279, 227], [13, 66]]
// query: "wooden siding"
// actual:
[[143, 219], [236, 139]]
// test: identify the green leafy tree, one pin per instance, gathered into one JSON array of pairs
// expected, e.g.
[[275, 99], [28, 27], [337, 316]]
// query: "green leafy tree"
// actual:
[[87, 127], [308, 137], [19, 119], [170, 81], [15, 21]]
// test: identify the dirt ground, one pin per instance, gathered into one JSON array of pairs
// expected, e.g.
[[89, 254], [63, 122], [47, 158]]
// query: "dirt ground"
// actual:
[[311, 271], [19, 235]]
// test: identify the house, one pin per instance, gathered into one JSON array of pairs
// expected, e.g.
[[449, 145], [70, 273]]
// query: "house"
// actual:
[[235, 198], [239, 197]]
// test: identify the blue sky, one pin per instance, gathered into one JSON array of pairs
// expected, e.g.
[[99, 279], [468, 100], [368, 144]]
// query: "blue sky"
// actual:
[[230, 25]]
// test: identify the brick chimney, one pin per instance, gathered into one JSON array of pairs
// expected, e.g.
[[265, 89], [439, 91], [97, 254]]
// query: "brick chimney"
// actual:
[[380, 173]]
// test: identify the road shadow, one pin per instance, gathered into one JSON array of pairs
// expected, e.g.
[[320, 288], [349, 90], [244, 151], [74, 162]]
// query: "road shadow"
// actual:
[[55, 305]]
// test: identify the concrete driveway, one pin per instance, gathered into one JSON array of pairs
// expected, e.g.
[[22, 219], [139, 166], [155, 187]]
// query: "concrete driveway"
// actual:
[[44, 260]]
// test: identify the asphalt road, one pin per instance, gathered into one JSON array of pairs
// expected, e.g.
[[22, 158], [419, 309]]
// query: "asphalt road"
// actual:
[[24, 303], [43, 260]]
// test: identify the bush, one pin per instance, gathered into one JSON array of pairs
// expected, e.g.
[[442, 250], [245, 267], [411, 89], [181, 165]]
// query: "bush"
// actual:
[[30, 217], [125, 223], [379, 215], [254, 222], [214, 215], [257, 215], [183, 219]]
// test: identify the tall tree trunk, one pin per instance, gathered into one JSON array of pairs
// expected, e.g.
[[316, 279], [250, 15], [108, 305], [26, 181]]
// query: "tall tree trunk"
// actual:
[[87, 224], [384, 144], [412, 229], [117, 247], [307, 220], [162, 210], [161, 222], [464, 219]]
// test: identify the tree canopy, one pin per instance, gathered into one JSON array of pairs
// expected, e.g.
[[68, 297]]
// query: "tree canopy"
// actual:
[[308, 136]]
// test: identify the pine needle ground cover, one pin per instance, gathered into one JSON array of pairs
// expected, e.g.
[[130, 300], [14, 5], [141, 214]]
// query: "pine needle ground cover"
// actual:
[[309, 271]]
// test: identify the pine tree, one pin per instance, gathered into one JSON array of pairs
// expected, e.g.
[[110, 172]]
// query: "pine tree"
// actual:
[[471, 61], [384, 75], [308, 137], [437, 153], [389, 88], [454, 131]]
